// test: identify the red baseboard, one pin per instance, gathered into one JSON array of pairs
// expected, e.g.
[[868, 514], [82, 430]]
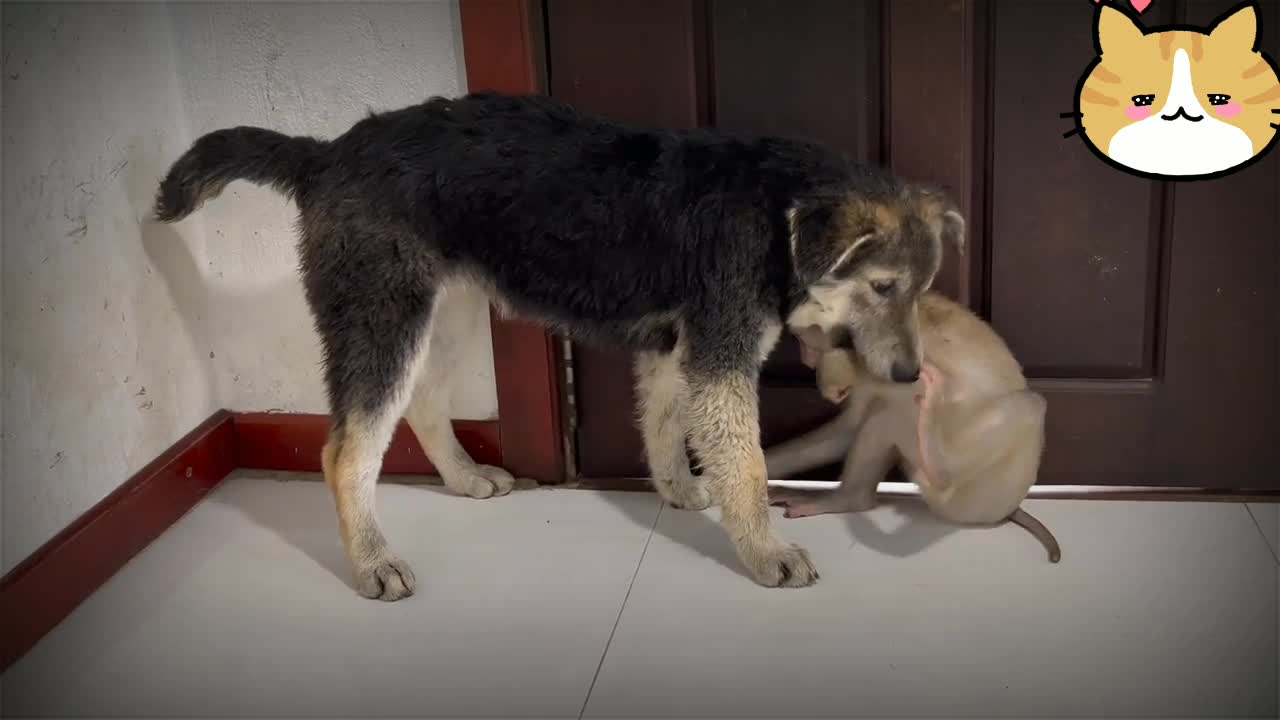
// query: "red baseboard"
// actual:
[[274, 441], [43, 589]]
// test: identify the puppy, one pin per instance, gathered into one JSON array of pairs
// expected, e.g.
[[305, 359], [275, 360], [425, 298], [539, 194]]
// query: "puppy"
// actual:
[[969, 433], [690, 249]]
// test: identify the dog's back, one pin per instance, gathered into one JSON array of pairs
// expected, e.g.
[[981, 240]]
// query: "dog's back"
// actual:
[[605, 231]]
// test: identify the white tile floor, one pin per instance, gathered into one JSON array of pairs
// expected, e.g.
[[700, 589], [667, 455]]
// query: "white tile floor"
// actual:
[[565, 603]]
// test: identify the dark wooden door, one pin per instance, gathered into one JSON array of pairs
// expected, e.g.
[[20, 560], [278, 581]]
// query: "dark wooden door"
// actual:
[[1148, 313]]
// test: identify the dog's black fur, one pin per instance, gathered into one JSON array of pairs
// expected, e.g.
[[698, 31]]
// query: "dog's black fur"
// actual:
[[606, 232], [690, 247]]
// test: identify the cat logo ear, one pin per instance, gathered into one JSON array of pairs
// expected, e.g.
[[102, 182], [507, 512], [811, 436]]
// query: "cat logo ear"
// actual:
[[1114, 29], [1238, 28]]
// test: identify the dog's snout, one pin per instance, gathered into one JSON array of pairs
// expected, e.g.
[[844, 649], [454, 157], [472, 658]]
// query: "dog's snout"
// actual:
[[904, 373]]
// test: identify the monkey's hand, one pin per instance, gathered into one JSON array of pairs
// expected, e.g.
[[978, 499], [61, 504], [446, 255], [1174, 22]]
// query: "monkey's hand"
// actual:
[[927, 402]]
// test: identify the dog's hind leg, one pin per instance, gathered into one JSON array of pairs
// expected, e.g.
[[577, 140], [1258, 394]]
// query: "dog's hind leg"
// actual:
[[428, 412], [373, 352], [662, 392], [724, 430]]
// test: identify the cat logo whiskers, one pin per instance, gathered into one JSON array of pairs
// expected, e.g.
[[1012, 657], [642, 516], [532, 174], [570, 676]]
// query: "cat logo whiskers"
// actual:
[[1178, 102]]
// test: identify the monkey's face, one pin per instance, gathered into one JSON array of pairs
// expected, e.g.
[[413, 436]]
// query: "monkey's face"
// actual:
[[836, 375], [836, 367]]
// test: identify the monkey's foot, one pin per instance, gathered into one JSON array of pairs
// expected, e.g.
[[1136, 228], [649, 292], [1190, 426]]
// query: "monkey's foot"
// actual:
[[807, 503]]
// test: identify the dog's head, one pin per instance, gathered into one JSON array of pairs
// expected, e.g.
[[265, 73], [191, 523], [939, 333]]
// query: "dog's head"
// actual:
[[864, 261]]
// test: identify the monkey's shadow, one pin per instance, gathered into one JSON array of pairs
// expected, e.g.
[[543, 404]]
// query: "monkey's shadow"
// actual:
[[917, 530]]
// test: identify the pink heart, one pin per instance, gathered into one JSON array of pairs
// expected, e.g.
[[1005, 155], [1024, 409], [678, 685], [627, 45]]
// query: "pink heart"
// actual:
[[1139, 5]]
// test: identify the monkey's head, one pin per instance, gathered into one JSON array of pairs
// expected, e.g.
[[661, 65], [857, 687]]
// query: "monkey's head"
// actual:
[[864, 260], [836, 367]]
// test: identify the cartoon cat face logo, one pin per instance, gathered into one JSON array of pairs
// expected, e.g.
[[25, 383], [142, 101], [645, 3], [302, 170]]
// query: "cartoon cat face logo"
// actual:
[[1179, 102]]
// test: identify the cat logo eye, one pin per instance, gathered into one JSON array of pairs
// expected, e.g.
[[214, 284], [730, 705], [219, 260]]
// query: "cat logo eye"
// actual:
[[1216, 99], [1143, 100]]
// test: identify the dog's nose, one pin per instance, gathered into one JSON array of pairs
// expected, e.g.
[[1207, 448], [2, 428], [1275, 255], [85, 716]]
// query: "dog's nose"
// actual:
[[902, 373]]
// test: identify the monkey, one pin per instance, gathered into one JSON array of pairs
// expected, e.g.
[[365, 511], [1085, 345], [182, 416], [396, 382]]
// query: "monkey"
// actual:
[[969, 433]]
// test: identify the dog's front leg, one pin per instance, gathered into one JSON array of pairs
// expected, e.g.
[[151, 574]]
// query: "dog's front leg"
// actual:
[[722, 416]]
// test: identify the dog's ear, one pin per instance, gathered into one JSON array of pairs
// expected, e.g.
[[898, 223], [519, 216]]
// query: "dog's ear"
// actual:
[[937, 209], [827, 234]]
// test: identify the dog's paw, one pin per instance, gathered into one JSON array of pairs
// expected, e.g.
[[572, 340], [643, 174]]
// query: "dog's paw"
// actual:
[[385, 577], [689, 494], [783, 565], [481, 481], [685, 492]]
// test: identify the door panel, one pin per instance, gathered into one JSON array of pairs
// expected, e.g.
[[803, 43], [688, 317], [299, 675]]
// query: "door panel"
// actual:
[[1148, 313], [789, 54], [1075, 245], [1107, 287]]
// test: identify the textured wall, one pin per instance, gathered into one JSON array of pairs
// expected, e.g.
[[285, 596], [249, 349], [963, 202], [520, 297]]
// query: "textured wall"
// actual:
[[305, 69], [120, 335]]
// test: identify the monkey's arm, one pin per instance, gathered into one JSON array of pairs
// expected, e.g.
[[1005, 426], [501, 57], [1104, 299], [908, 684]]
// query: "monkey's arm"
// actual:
[[813, 449], [827, 444], [933, 463]]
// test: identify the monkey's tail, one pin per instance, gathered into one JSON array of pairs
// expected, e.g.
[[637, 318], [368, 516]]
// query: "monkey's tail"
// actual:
[[1024, 519], [264, 157]]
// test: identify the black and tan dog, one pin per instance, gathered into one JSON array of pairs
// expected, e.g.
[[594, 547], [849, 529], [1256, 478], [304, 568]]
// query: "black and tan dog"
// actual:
[[690, 248]]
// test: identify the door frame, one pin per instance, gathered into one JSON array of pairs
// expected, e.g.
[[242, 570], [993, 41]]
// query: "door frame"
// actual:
[[502, 51]]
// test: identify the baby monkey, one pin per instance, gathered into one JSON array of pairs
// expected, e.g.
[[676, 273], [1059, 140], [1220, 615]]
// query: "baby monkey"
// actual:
[[968, 433]]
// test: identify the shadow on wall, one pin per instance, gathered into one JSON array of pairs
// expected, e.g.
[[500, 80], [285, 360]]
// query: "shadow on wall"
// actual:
[[193, 294]]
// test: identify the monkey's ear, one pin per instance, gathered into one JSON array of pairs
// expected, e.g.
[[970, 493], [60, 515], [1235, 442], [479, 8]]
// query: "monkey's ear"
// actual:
[[939, 211], [827, 234]]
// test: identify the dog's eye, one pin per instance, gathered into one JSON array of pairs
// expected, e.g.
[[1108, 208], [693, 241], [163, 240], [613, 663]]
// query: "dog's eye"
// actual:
[[1216, 99], [883, 287], [1143, 100]]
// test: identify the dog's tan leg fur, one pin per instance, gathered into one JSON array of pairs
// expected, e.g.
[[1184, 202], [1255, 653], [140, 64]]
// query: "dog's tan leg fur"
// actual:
[[428, 412], [661, 394], [351, 460], [724, 430]]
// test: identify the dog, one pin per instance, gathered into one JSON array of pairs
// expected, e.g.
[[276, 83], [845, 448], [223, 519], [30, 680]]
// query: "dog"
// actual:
[[970, 432], [691, 249]]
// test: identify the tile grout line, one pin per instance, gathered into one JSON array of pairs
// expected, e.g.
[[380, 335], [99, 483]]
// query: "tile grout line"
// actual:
[[623, 607], [1258, 524]]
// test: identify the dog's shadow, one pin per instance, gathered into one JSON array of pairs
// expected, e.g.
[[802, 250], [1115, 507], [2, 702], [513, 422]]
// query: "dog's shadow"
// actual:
[[697, 531], [915, 530], [305, 521]]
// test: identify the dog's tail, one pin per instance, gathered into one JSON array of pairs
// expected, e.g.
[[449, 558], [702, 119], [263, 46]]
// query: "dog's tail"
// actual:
[[264, 157]]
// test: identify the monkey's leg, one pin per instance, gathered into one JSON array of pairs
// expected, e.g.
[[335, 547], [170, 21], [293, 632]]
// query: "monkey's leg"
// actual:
[[955, 436], [868, 460]]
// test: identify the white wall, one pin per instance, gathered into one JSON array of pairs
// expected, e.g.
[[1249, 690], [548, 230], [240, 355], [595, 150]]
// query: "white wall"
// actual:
[[120, 335], [239, 65]]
